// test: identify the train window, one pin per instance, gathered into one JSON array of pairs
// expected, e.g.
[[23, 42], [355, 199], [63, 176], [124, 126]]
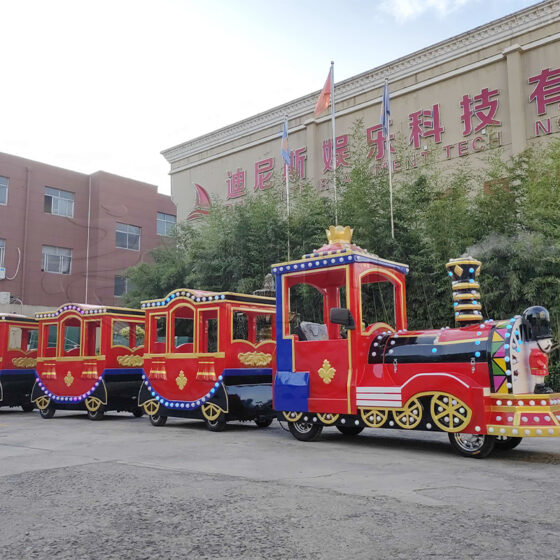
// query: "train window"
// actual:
[[93, 338], [161, 328], [71, 337], [52, 335], [140, 335], [125, 333], [306, 305], [33, 339], [212, 335], [264, 327], [378, 303], [252, 326], [184, 331]]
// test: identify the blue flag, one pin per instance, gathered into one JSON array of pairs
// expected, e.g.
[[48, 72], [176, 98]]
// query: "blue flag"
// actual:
[[385, 110], [285, 149]]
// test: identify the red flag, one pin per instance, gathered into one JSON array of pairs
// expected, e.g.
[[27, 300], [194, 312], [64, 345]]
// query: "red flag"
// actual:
[[324, 97]]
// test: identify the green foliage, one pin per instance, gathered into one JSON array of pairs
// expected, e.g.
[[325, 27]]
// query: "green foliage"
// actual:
[[507, 215]]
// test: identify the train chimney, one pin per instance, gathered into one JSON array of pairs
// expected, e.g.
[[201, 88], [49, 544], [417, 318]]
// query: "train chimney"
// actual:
[[466, 297]]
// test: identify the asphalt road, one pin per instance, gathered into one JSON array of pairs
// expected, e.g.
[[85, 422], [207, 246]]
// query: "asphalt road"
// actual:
[[120, 488]]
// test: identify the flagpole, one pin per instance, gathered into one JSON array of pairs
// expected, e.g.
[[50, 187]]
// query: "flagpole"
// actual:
[[287, 171], [333, 150], [390, 163]]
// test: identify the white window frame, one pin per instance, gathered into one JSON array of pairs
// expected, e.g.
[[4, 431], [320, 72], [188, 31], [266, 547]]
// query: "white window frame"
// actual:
[[167, 224], [62, 202], [130, 231], [4, 186], [126, 285], [2, 251], [55, 258]]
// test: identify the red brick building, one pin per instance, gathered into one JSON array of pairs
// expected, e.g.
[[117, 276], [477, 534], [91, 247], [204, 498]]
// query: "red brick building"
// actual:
[[66, 236]]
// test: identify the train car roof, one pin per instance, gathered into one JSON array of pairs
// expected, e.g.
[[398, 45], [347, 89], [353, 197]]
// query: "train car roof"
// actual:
[[203, 296], [87, 309], [17, 318], [338, 251]]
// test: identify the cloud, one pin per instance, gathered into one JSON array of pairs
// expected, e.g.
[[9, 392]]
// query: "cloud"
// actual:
[[405, 10]]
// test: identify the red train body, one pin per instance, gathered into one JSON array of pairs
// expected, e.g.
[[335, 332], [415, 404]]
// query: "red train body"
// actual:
[[18, 358], [90, 358]]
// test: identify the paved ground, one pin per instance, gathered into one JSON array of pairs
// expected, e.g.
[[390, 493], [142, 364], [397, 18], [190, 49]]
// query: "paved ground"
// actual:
[[72, 489]]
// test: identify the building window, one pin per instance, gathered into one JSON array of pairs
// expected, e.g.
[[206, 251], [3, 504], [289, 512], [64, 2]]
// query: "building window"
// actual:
[[4, 190], [60, 203], [128, 237], [57, 259], [165, 223], [122, 286], [2, 251]]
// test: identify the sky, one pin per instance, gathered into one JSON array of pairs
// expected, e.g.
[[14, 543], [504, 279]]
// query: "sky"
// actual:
[[108, 85]]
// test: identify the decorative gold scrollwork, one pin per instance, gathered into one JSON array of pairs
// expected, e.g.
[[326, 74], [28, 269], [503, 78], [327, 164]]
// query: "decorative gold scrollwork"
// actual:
[[211, 411], [151, 407], [255, 359], [42, 402], [27, 363], [181, 380], [68, 379], [130, 361], [327, 372], [93, 404]]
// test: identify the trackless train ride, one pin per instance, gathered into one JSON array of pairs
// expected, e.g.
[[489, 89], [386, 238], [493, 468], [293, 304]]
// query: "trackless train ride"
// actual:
[[346, 361]]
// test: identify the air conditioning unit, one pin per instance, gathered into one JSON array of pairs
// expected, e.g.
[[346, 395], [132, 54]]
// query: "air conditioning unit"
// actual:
[[2, 272], [4, 298]]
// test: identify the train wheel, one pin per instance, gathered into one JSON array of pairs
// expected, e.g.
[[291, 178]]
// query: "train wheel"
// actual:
[[476, 446], [449, 413], [505, 443], [214, 417], [158, 420], [137, 412], [27, 407], [374, 417], [263, 422], [96, 414], [350, 430], [292, 416], [327, 418], [47, 412], [305, 430], [410, 415]]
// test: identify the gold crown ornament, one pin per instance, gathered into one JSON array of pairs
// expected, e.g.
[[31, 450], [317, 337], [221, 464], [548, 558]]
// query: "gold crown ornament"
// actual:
[[339, 234]]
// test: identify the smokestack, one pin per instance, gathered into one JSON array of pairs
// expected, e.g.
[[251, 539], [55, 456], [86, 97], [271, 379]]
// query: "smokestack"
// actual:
[[466, 297]]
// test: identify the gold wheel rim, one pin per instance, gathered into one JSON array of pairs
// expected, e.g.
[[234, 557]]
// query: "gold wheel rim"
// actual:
[[328, 418], [292, 416], [374, 417], [93, 404], [409, 416], [211, 411], [151, 407], [449, 413], [43, 403]]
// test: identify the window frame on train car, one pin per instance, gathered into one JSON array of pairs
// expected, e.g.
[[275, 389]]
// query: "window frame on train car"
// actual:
[[129, 323], [302, 278], [257, 312], [172, 317], [63, 326], [199, 330]]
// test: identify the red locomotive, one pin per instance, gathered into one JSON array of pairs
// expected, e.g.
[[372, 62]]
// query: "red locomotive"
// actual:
[[90, 358], [18, 358], [209, 356], [356, 365]]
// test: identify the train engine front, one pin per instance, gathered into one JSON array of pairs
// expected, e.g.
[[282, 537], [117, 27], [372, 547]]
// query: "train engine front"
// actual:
[[482, 382]]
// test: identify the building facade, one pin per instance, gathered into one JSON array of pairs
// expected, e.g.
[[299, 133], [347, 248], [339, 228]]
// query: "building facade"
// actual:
[[69, 237], [496, 86]]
